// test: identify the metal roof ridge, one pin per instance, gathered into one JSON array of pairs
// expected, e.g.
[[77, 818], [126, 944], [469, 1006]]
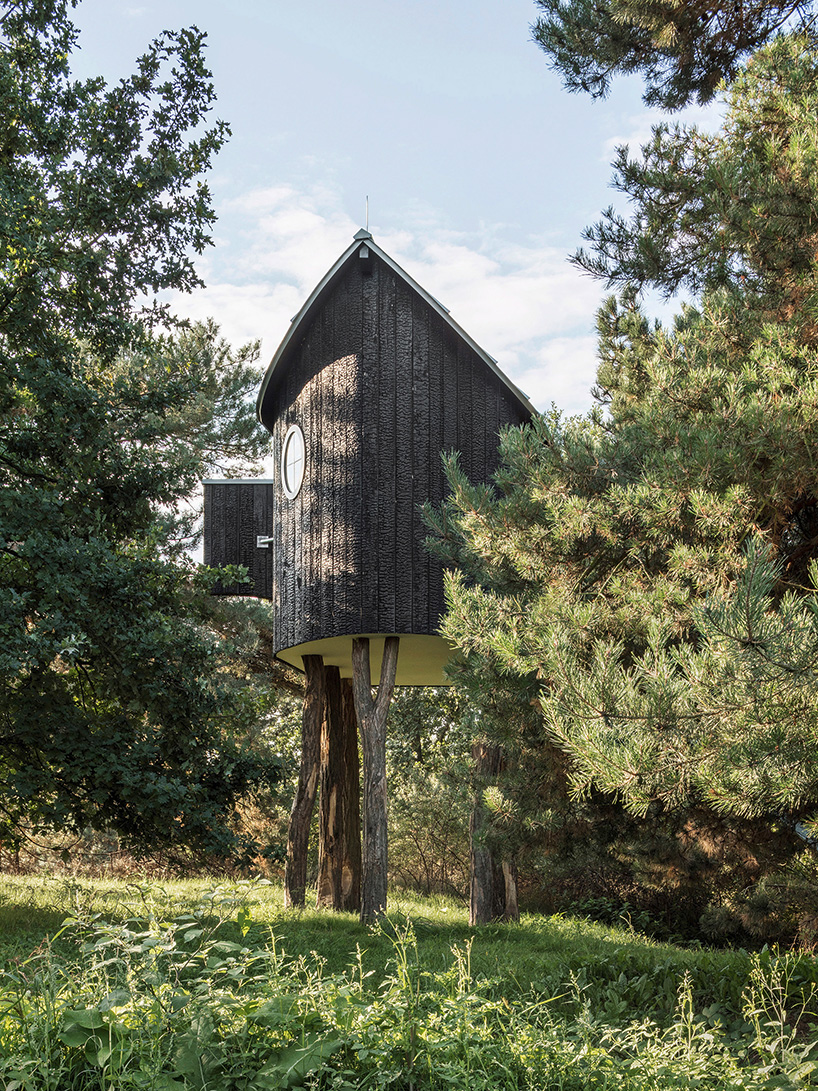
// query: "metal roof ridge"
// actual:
[[438, 307], [458, 329]]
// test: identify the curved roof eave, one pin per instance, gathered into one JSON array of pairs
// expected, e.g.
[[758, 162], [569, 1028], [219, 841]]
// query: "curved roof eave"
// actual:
[[309, 305]]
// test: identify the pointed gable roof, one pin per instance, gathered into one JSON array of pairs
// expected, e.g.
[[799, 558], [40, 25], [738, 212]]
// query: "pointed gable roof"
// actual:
[[363, 239]]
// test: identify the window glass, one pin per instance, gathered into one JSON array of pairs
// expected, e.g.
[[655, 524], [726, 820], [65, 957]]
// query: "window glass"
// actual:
[[293, 459]]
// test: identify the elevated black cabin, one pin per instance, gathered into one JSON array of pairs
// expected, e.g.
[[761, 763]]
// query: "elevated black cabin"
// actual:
[[371, 383]]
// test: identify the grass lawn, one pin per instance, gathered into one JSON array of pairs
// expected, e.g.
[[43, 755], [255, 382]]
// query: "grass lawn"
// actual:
[[187, 985]]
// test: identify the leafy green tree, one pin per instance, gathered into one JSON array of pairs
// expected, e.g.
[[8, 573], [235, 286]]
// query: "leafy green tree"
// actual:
[[682, 49], [646, 575], [112, 708], [206, 425], [428, 770]]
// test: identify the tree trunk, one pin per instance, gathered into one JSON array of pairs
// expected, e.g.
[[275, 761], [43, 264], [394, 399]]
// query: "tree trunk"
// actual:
[[295, 871], [330, 796], [492, 883], [372, 722], [339, 826], [511, 908], [351, 832]]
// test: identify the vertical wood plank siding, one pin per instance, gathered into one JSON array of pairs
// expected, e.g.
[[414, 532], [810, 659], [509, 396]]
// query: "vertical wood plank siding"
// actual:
[[404, 463], [234, 514], [381, 386], [438, 383], [368, 489], [384, 558], [421, 457]]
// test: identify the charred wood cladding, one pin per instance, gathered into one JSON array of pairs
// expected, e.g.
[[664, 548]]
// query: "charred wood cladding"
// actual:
[[372, 383]]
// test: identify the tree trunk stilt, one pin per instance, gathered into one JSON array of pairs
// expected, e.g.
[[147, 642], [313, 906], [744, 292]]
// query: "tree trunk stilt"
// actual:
[[295, 871], [492, 883], [351, 832], [371, 715], [331, 797], [339, 844]]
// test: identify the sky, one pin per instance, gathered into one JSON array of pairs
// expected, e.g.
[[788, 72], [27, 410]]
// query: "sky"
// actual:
[[481, 171]]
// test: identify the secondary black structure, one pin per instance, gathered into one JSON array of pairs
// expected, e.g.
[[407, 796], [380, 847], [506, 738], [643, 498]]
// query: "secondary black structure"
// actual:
[[237, 514], [373, 381]]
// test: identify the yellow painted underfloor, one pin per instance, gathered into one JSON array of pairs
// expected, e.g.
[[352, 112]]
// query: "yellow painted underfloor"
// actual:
[[421, 659]]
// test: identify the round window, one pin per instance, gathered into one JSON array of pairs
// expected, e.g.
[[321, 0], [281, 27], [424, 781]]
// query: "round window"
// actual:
[[293, 459]]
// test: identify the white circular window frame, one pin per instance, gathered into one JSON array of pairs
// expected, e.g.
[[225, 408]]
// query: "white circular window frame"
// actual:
[[292, 488]]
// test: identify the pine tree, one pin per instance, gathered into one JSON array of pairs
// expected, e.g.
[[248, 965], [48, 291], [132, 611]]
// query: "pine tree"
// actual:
[[650, 570], [682, 49]]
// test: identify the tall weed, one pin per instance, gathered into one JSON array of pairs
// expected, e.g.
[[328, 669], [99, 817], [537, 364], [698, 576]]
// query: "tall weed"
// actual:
[[208, 999], [781, 1006]]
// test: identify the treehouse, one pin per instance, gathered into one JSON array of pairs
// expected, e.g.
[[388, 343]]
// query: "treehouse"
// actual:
[[372, 383]]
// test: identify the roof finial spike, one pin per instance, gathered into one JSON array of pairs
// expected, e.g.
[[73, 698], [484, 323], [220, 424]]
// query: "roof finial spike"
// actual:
[[367, 211]]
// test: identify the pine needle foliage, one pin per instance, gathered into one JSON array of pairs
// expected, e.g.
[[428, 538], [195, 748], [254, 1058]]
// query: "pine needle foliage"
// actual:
[[682, 49], [649, 570]]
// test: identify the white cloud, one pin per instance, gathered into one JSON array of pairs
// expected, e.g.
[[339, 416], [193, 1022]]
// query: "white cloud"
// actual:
[[638, 129], [244, 312], [522, 302], [637, 133], [564, 373], [518, 298], [287, 232]]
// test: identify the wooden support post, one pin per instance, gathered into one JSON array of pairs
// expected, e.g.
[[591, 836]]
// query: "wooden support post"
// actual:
[[511, 907], [492, 883], [339, 825], [371, 715], [295, 871], [351, 862], [331, 797]]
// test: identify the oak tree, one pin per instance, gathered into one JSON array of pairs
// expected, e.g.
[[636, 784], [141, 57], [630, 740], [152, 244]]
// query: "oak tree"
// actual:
[[112, 711]]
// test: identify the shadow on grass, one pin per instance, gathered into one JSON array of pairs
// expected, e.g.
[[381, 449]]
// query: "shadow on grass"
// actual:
[[531, 956]]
